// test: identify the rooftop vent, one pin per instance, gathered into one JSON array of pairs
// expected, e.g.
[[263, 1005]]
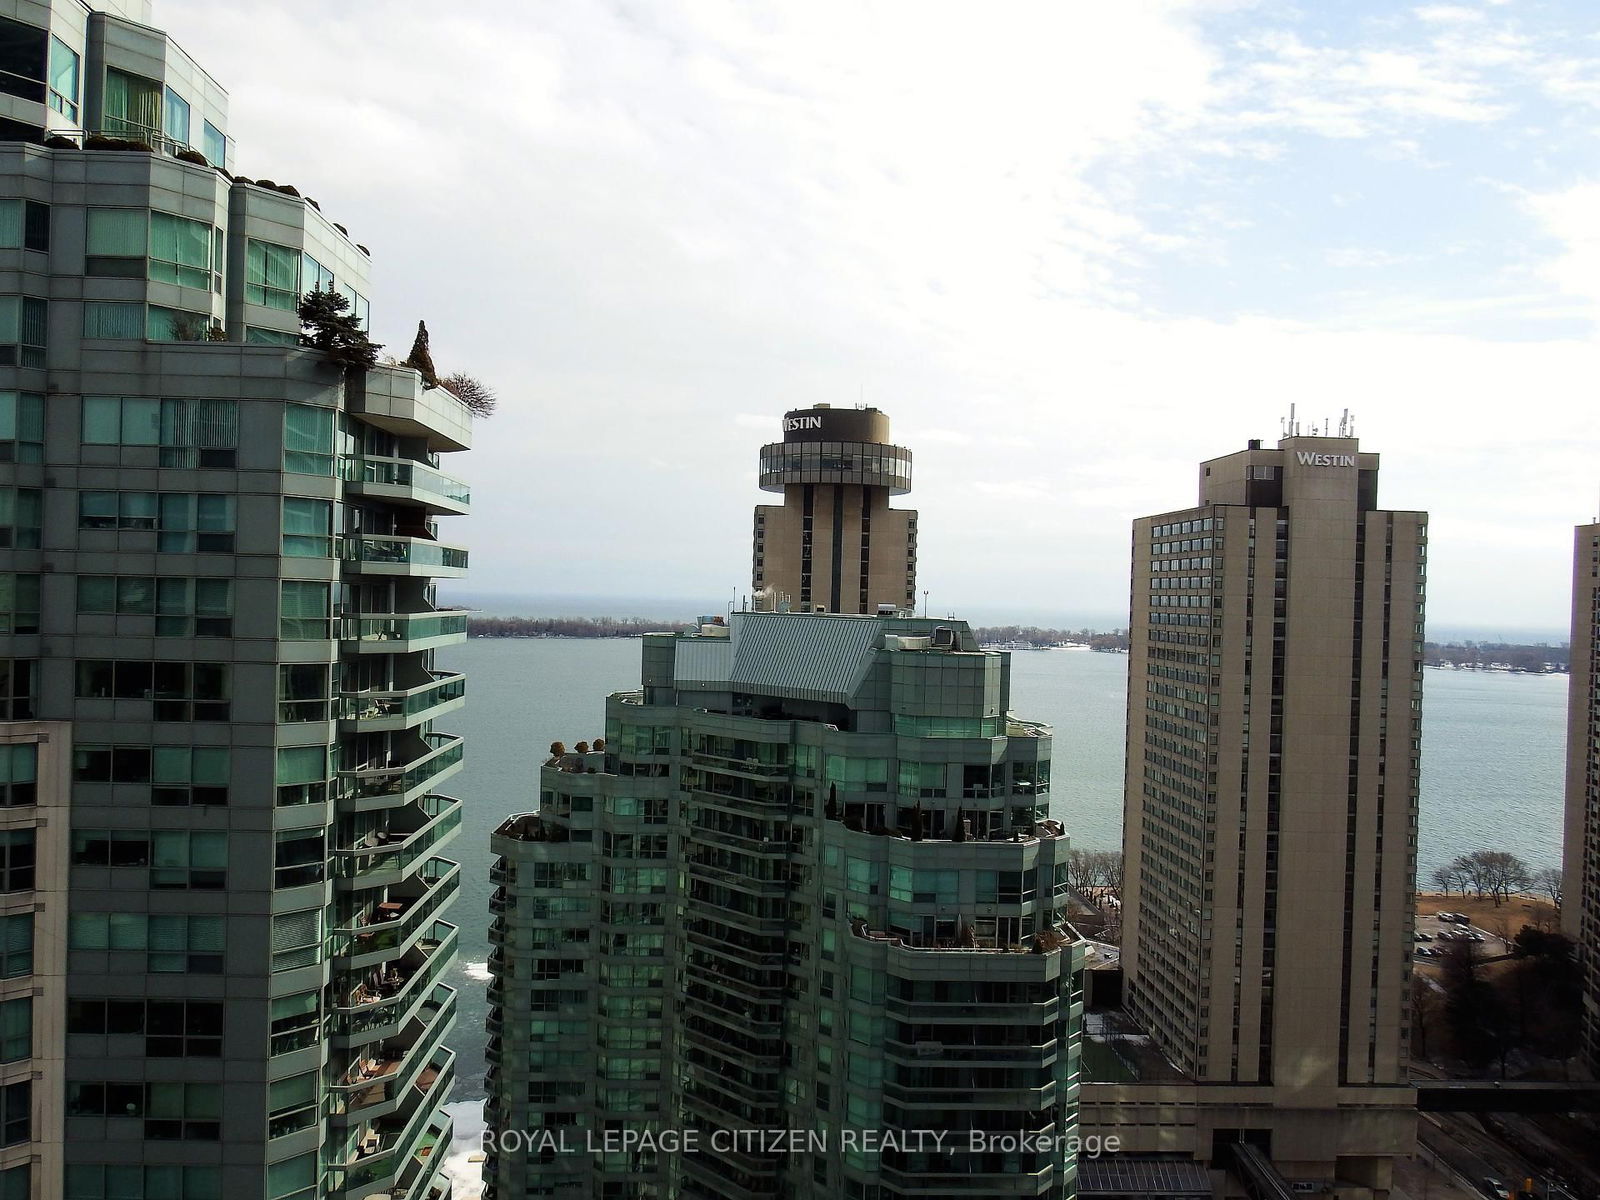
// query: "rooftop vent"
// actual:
[[944, 638]]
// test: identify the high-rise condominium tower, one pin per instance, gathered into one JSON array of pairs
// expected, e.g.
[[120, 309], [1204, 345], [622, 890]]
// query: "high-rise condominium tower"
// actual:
[[1274, 718], [807, 884], [834, 544], [1580, 872], [221, 901]]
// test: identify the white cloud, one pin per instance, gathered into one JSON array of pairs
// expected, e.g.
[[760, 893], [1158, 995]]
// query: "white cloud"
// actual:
[[656, 227]]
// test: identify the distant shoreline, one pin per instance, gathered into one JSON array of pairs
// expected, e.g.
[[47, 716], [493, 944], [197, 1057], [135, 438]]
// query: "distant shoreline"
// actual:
[[1489, 657]]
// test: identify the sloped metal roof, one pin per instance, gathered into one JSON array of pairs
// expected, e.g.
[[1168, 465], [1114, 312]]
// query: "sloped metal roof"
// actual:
[[1113, 1175], [805, 656], [810, 656]]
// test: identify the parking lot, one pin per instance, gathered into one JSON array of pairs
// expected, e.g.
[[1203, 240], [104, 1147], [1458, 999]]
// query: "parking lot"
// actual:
[[1489, 945]]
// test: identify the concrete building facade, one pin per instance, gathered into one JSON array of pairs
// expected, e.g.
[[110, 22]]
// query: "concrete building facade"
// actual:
[[219, 553], [1580, 859], [834, 544], [806, 882], [1270, 818]]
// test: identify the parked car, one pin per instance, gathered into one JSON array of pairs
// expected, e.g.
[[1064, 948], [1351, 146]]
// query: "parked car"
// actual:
[[1493, 1187], [1424, 937]]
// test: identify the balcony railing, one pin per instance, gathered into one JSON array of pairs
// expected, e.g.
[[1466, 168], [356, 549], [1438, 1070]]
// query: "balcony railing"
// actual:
[[408, 474], [420, 774], [382, 1074], [399, 709], [389, 1146], [434, 820], [382, 998], [392, 924], [381, 553], [395, 633]]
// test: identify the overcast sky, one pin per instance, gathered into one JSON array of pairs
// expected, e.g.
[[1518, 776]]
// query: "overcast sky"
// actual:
[[1072, 249]]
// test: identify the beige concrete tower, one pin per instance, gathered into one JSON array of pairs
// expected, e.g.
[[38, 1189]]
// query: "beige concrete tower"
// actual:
[[1580, 865], [1274, 715], [834, 544]]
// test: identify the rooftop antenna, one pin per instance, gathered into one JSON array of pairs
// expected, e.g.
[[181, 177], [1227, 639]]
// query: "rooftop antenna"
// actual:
[[925, 599], [1324, 427], [1344, 424]]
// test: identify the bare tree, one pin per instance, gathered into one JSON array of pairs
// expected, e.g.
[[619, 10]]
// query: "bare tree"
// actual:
[[1547, 883], [478, 396], [1081, 872], [1445, 879]]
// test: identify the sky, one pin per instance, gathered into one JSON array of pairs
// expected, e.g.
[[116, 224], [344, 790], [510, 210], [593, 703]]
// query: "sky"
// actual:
[[1071, 249]]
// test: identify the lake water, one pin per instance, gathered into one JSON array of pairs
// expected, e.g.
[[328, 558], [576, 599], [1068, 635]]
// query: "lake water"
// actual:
[[1492, 763]]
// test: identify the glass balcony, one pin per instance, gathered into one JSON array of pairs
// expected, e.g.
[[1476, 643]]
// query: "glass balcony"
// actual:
[[391, 1147], [405, 633], [385, 927], [376, 554], [419, 1176], [405, 479], [374, 711], [382, 1077], [368, 1002], [408, 780], [395, 399], [412, 832]]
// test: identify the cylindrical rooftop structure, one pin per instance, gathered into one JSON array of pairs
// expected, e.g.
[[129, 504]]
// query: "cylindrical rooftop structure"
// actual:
[[836, 445]]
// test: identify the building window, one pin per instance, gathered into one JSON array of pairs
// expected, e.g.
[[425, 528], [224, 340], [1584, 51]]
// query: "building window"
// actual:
[[180, 251], [17, 858], [213, 144], [21, 516], [308, 439], [178, 775], [64, 79], [135, 243], [22, 60], [360, 306], [196, 523], [16, 1113], [301, 857], [16, 1033], [296, 939], [16, 689], [172, 944], [296, 1023], [96, 1182], [271, 275], [303, 774], [19, 603], [24, 225], [176, 325], [307, 528], [175, 120], [180, 691], [293, 1178], [132, 105], [19, 775], [303, 611], [21, 427], [183, 858], [292, 1104], [256, 336], [106, 320], [182, 607], [171, 1028], [16, 946], [314, 277], [23, 320], [116, 244], [303, 692], [171, 1111], [191, 433]]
